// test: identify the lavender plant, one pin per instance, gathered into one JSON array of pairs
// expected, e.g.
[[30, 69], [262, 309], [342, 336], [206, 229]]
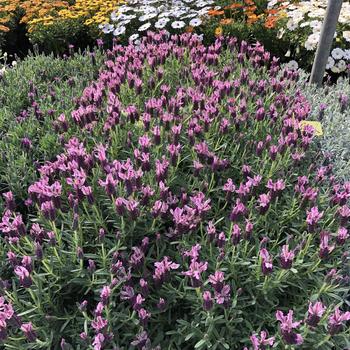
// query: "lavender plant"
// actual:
[[330, 106], [33, 95], [186, 212]]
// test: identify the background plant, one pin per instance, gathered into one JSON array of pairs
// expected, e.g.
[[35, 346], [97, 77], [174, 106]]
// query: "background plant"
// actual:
[[53, 24], [330, 105]]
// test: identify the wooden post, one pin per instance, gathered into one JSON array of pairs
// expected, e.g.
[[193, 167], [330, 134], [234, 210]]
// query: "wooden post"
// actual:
[[326, 39]]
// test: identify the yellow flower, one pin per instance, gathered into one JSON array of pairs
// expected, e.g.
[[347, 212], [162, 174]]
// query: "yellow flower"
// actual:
[[218, 31], [282, 14]]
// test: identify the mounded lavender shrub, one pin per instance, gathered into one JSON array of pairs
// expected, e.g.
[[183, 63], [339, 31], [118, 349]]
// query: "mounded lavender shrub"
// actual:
[[187, 212], [330, 105]]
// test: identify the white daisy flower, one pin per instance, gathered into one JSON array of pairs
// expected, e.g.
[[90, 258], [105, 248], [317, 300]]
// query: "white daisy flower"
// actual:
[[179, 13], [201, 3], [147, 16], [113, 16], [123, 23], [292, 25], [292, 65], [195, 22], [107, 28], [272, 3], [190, 15], [330, 62], [124, 8], [346, 55], [346, 35], [341, 65], [178, 24], [144, 27], [164, 14], [199, 36], [316, 25], [119, 31], [134, 37], [121, 17], [312, 41], [147, 9], [337, 53], [161, 23], [304, 24]]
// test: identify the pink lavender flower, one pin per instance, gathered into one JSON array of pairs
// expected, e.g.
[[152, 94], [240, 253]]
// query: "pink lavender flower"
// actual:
[[223, 297], [105, 294], [264, 202], [144, 316], [201, 204], [26, 143], [49, 211], [221, 239], [217, 280], [207, 301], [342, 235], [315, 313], [229, 188], [275, 187], [211, 231], [99, 324], [24, 276], [98, 341], [248, 229], [287, 328], [6, 314], [344, 214], [137, 305], [286, 257], [313, 217], [29, 332], [195, 270], [162, 269], [266, 262], [260, 344], [325, 248], [144, 287], [238, 211], [336, 321], [161, 305], [142, 341], [9, 201], [235, 234]]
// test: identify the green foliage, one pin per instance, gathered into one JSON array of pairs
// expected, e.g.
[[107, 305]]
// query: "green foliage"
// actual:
[[57, 37]]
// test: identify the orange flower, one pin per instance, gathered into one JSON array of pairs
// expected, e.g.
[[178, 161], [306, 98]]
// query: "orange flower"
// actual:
[[233, 6], [252, 19], [272, 11], [4, 28], [226, 21], [249, 2], [270, 22], [250, 9], [215, 12], [218, 31], [189, 29]]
